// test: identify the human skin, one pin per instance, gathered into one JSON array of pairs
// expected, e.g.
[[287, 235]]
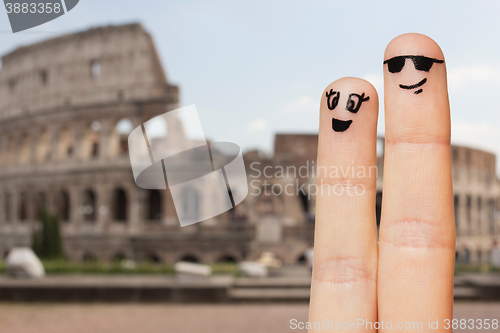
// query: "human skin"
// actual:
[[407, 275]]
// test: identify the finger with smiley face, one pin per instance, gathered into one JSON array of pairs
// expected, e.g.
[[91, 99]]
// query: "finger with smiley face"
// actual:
[[345, 250]]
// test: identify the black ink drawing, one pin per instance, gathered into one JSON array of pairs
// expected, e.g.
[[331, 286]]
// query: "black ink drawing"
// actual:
[[332, 99], [340, 125], [353, 104], [421, 63]]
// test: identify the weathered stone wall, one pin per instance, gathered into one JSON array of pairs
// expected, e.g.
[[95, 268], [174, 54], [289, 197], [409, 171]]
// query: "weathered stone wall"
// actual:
[[62, 103]]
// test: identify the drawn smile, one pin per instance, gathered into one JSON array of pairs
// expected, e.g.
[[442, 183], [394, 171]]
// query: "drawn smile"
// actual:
[[340, 125], [413, 86]]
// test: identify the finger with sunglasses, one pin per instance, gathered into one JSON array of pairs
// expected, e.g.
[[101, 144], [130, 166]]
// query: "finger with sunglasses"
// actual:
[[417, 229], [408, 275]]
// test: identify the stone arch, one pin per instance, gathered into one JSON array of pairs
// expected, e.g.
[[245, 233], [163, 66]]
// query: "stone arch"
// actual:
[[119, 256], [40, 204], [189, 257], [63, 205], [95, 68], [43, 146], [7, 206], [301, 259], [89, 257], [479, 256], [456, 207], [153, 258], [11, 151], [24, 150], [23, 206], [65, 142], [120, 204], [479, 213], [299, 256], [3, 156], [227, 258], [154, 205], [491, 215], [464, 253], [304, 201], [469, 213], [119, 137], [91, 140], [88, 205]]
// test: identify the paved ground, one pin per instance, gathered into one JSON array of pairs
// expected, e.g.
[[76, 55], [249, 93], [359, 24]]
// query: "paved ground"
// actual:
[[145, 318]]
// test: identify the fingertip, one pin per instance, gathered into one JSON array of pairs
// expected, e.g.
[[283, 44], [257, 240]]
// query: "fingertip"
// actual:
[[416, 95], [348, 120], [413, 44], [352, 84], [345, 87]]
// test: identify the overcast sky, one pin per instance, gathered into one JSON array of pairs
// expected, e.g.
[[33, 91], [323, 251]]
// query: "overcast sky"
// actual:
[[254, 68]]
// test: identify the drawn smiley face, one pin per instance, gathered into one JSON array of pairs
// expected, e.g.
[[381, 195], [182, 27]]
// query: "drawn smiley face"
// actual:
[[353, 104], [421, 63]]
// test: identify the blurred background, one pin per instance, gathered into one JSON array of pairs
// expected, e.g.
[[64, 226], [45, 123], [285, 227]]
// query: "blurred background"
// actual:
[[73, 89]]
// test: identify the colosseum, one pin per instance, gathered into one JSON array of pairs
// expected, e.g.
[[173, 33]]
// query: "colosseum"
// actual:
[[67, 106]]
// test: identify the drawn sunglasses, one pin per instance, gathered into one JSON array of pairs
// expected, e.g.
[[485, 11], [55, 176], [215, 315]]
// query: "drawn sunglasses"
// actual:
[[421, 63]]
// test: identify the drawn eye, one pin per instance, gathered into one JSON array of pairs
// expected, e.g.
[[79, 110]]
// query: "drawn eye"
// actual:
[[422, 63], [354, 102], [332, 99], [396, 64]]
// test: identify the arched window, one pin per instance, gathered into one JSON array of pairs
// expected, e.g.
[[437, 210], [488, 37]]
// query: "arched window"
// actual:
[[93, 137], [153, 258], [119, 257], [11, 151], [89, 257], [88, 206], [43, 146], [23, 211], [40, 204], [469, 213], [190, 258], [7, 209], [154, 205], [227, 259], [120, 138], [95, 68], [190, 203], [120, 205], [65, 143], [63, 206], [24, 152], [491, 215], [302, 259], [479, 214], [44, 77], [304, 201]]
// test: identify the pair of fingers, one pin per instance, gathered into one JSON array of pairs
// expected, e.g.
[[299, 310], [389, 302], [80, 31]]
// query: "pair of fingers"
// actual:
[[407, 275]]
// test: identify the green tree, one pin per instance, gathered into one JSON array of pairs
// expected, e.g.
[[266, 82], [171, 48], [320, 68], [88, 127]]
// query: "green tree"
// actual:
[[47, 241]]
